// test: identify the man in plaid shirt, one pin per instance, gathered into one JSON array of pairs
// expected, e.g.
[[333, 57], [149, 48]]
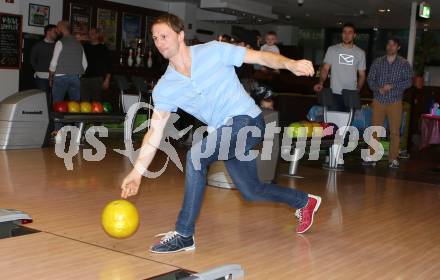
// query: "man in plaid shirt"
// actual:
[[389, 77]]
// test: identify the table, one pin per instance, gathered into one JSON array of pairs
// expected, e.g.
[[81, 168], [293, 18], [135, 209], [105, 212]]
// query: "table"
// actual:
[[430, 130]]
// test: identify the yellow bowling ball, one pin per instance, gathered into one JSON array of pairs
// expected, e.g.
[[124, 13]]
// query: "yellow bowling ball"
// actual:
[[297, 130], [85, 107], [120, 219], [73, 107]]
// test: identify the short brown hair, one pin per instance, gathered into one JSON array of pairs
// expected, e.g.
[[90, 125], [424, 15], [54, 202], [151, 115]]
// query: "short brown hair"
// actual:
[[64, 24], [171, 20], [273, 33], [395, 40], [49, 27], [349, 25]]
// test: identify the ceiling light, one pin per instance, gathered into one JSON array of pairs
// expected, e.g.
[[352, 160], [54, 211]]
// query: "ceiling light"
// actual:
[[381, 11], [388, 10]]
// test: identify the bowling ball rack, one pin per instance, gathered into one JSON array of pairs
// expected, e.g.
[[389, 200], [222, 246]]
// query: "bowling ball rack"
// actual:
[[91, 118]]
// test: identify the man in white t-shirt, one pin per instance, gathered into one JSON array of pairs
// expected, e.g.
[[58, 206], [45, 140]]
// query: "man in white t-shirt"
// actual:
[[346, 61]]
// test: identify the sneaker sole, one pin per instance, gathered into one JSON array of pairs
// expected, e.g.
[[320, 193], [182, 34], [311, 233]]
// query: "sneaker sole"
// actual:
[[318, 198], [171, 252]]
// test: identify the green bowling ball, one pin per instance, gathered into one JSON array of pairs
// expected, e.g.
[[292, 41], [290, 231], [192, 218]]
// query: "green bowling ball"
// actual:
[[107, 107]]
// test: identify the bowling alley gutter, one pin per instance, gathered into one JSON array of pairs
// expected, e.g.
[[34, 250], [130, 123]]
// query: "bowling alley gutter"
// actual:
[[113, 250]]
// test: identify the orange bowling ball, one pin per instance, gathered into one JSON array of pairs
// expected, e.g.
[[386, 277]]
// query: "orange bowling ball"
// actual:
[[120, 218], [97, 107]]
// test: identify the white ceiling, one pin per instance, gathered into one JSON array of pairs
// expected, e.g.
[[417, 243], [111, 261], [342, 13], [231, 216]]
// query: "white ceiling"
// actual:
[[330, 12], [327, 13]]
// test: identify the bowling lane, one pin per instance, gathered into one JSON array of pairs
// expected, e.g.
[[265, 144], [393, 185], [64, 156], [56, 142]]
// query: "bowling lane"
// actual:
[[362, 217], [70, 203], [46, 256]]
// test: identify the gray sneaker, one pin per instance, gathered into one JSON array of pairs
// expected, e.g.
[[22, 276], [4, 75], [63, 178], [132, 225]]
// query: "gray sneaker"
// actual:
[[394, 164], [173, 242]]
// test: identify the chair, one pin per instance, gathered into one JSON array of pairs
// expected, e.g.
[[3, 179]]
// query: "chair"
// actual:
[[142, 88], [341, 119], [125, 99]]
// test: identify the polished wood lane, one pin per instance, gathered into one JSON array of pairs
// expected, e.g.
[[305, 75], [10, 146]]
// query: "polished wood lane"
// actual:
[[46, 256]]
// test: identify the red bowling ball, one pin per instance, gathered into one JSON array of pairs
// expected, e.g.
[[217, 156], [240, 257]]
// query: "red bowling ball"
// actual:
[[97, 107], [60, 107]]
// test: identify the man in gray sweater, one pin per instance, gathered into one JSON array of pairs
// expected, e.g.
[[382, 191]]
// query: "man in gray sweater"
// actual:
[[67, 65], [41, 54]]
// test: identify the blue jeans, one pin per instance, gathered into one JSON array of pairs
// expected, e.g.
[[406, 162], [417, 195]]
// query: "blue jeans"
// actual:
[[43, 84], [69, 84], [243, 174]]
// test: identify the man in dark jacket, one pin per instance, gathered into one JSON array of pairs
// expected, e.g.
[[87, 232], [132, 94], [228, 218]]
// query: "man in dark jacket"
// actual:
[[97, 76], [41, 54]]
